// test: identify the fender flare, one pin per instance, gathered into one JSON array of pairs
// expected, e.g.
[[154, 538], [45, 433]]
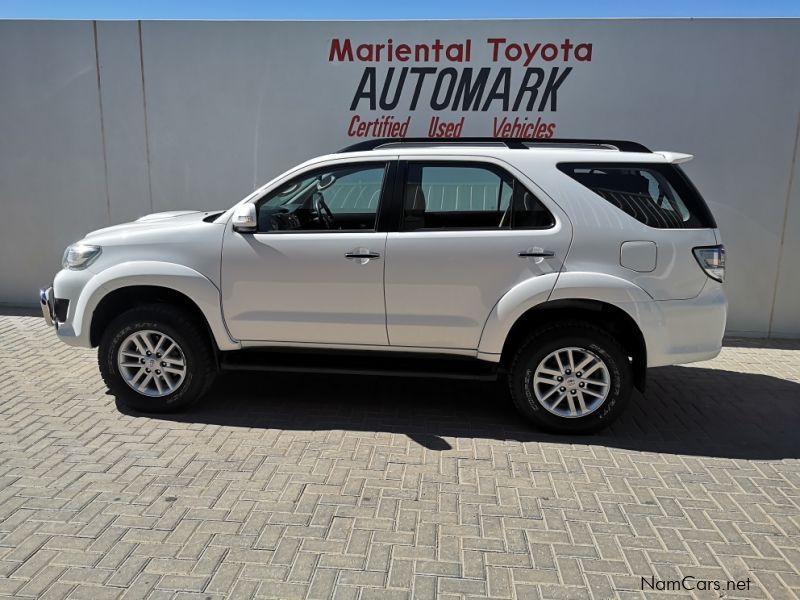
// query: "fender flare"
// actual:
[[192, 284], [564, 286]]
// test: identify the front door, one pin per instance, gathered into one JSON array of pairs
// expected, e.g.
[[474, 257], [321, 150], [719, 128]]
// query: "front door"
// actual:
[[470, 232], [313, 272]]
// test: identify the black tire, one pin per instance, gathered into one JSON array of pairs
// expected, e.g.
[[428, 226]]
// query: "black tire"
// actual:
[[185, 331], [564, 335]]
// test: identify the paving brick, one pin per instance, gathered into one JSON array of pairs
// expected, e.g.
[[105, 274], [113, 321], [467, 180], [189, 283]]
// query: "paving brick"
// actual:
[[359, 488]]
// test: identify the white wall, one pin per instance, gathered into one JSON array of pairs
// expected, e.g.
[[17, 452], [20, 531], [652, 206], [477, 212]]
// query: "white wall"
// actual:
[[196, 114]]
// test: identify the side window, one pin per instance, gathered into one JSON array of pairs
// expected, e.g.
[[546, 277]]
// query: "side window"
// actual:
[[455, 196], [654, 194], [468, 196], [529, 212], [333, 199]]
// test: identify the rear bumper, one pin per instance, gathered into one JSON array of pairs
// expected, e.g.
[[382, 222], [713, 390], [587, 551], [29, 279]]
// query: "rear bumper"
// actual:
[[687, 330]]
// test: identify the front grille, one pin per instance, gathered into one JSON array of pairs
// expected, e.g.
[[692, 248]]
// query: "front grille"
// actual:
[[61, 306]]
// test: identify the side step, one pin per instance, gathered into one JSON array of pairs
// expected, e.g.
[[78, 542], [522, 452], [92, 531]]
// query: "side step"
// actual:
[[348, 362]]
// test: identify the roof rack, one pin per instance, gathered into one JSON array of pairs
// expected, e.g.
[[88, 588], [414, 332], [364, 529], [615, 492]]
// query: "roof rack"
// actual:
[[512, 143]]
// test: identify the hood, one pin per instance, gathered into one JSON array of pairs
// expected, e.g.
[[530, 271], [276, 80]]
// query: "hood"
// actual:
[[170, 214], [161, 220]]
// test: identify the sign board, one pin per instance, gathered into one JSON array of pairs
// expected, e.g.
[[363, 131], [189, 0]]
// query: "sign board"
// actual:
[[197, 114]]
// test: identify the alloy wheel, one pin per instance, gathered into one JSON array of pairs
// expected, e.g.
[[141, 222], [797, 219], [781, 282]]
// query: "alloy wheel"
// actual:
[[151, 363], [571, 382]]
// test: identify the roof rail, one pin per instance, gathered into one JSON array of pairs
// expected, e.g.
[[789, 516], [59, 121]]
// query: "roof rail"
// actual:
[[512, 143]]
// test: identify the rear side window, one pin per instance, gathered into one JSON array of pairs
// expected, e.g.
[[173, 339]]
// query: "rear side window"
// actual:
[[657, 195], [455, 196], [468, 196]]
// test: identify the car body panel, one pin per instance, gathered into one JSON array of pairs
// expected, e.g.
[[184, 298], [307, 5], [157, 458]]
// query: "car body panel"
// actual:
[[567, 286], [600, 229], [441, 285], [299, 287], [94, 287], [455, 292]]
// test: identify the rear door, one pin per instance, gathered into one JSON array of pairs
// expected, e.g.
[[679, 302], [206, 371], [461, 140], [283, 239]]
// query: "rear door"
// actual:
[[470, 231]]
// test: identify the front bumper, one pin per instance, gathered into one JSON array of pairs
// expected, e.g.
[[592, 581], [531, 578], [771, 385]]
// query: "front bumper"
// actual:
[[48, 302]]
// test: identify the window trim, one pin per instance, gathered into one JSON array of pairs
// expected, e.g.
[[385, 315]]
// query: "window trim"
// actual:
[[517, 189], [389, 171]]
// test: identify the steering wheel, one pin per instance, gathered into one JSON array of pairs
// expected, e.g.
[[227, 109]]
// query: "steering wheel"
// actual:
[[323, 212]]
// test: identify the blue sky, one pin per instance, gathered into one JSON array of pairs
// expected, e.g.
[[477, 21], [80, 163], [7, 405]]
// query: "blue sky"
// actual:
[[383, 9]]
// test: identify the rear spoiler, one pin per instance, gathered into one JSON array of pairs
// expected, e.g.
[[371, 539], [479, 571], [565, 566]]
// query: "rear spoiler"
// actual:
[[675, 158]]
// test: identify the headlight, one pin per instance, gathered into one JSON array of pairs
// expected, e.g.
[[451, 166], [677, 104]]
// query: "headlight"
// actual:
[[79, 256]]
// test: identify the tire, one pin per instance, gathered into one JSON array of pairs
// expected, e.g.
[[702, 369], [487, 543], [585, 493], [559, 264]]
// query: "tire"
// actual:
[[138, 329], [556, 404]]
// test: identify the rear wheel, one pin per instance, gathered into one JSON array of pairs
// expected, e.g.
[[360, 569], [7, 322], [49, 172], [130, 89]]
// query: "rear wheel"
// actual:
[[156, 359], [570, 377]]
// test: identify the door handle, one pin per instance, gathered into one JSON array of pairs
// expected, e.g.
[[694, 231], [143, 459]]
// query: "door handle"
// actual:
[[362, 255], [535, 253]]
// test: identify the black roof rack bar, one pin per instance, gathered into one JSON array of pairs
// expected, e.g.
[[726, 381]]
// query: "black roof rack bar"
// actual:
[[513, 143]]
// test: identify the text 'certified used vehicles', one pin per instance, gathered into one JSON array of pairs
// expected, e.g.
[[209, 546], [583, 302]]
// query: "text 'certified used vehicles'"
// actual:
[[567, 267]]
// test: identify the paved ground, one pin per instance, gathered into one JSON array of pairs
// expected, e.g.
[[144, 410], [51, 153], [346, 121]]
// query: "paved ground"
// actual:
[[360, 488]]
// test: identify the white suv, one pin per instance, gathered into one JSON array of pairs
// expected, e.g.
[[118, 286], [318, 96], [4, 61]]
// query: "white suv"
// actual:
[[566, 266]]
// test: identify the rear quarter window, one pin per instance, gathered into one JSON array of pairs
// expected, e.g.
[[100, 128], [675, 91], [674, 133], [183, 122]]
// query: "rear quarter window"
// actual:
[[658, 195]]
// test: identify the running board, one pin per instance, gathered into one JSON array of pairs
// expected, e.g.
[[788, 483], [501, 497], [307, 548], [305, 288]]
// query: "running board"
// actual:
[[348, 362]]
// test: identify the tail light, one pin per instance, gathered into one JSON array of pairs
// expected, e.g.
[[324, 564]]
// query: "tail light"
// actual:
[[711, 260]]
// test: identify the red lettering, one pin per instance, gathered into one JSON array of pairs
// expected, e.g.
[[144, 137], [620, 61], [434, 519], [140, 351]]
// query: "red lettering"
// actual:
[[583, 52], [364, 52], [513, 51], [352, 129], [530, 53], [339, 51], [437, 48], [402, 52], [445, 129], [503, 128], [495, 42], [549, 52], [566, 46]]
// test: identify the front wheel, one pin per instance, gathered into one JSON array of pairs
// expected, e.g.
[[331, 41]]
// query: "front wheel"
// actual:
[[156, 359], [570, 378]]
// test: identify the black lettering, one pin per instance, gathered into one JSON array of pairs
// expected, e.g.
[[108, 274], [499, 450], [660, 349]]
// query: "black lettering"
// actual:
[[366, 89], [421, 73], [527, 87], [503, 80], [471, 94], [436, 104], [551, 88], [398, 90]]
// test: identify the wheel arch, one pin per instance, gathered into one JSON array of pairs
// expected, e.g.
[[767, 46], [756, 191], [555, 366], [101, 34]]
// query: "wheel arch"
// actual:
[[127, 297], [604, 315], [130, 284]]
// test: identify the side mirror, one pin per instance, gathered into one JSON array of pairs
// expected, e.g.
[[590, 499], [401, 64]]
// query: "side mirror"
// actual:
[[245, 219]]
